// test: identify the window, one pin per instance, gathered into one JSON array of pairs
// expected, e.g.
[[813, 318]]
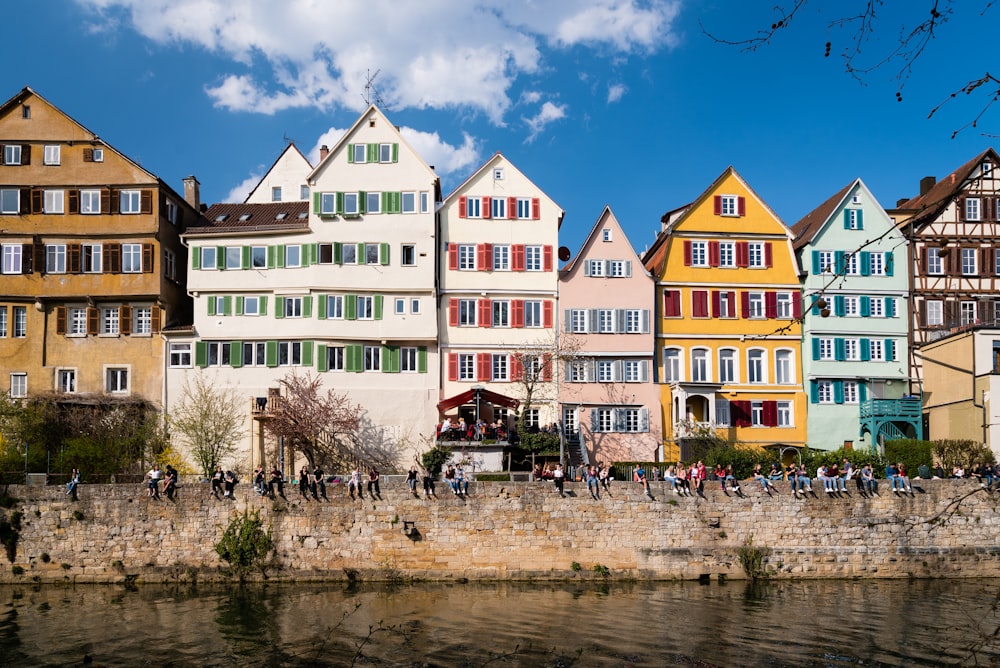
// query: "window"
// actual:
[[12, 154], [234, 257], [727, 365], [633, 321], [699, 365], [255, 354], [533, 313], [972, 209], [142, 320], [349, 254], [851, 267], [20, 322], [825, 262], [414, 306], [498, 174], [90, 201], [727, 254], [98, 155], [371, 254], [876, 307], [473, 207], [131, 258], [26, 111], [366, 307], [672, 365], [408, 202], [169, 264], [466, 257], [784, 369], [935, 312], [785, 414], [852, 219], [499, 207], [55, 258], [251, 305], [373, 358], [523, 208], [76, 321], [967, 313], [66, 380], [606, 234], [825, 348], [110, 320], [729, 205], [276, 194], [180, 355], [756, 366], [876, 349], [408, 255], [385, 153], [289, 353], [619, 269], [876, 264], [360, 153], [532, 258], [935, 263], [758, 256], [757, 414], [851, 350], [851, 309], [756, 303], [699, 253], [12, 258], [327, 204], [208, 260], [91, 258], [129, 201], [850, 391], [466, 312], [373, 202], [18, 385], [595, 268], [293, 256], [785, 305], [304, 192], [466, 367], [3, 321], [501, 313], [605, 420], [501, 367], [335, 358], [824, 392], [577, 371], [52, 201], [605, 371], [501, 257], [606, 320], [351, 204], [400, 307], [578, 321], [116, 380], [969, 261], [293, 307], [425, 202], [408, 359], [632, 371], [10, 200]]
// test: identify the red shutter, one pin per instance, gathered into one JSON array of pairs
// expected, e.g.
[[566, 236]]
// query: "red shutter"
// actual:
[[768, 255], [461, 207], [536, 208], [546, 258], [745, 305], [484, 366], [716, 303], [517, 313], [687, 253], [453, 312], [770, 413], [730, 298], [453, 256], [741, 204], [771, 304], [481, 263], [546, 368], [699, 303], [452, 366], [713, 253], [547, 314], [487, 208], [796, 306], [516, 368], [517, 257], [511, 208], [717, 205], [742, 253], [485, 313], [671, 303]]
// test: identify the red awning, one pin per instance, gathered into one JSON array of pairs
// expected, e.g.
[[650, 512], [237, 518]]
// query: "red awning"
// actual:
[[469, 397]]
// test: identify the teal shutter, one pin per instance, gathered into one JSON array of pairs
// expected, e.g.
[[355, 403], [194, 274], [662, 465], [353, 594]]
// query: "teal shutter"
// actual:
[[838, 391], [838, 262], [890, 350], [890, 307], [378, 307], [861, 219], [815, 262], [866, 306], [271, 353], [815, 346], [838, 306], [307, 353], [847, 219], [200, 354], [866, 349], [862, 391], [422, 359], [279, 307], [866, 263], [322, 363], [196, 258], [838, 350], [383, 254], [236, 354], [814, 391], [888, 262]]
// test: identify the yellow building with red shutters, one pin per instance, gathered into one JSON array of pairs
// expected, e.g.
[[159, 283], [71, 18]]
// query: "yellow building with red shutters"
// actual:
[[728, 325]]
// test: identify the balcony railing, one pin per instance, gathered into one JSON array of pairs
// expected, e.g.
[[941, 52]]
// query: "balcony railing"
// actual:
[[693, 429], [905, 409]]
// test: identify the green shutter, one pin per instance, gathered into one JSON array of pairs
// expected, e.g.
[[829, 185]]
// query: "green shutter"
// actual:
[[227, 305], [271, 353], [383, 254], [422, 359], [387, 359], [350, 153], [236, 354], [307, 306], [200, 354], [378, 307], [321, 360], [361, 257], [220, 257], [340, 203], [316, 203], [245, 259], [239, 305], [395, 152], [196, 257], [263, 305], [391, 202], [271, 261], [307, 353], [211, 304], [362, 201], [354, 357], [350, 307], [338, 252], [279, 307], [279, 252], [321, 307], [372, 152]]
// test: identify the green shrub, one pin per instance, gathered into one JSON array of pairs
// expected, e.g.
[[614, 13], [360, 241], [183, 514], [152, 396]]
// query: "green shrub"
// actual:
[[953, 453], [434, 459], [540, 443], [17, 570], [245, 545], [493, 477]]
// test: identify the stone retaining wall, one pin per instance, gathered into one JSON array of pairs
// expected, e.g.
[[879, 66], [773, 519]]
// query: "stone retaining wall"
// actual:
[[512, 531]]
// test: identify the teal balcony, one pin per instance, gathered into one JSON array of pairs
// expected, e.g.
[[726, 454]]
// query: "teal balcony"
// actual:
[[890, 419]]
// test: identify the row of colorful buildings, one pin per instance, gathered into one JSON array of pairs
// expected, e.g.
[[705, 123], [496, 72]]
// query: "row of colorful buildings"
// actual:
[[417, 304]]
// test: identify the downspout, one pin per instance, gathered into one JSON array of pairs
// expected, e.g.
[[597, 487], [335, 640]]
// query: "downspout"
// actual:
[[982, 405]]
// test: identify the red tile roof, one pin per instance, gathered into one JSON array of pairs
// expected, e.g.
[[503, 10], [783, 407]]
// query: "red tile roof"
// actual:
[[253, 217]]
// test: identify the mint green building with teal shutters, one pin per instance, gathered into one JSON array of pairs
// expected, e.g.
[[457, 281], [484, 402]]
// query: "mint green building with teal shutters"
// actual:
[[855, 355]]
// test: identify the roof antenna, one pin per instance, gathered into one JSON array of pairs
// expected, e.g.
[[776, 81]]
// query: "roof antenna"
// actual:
[[371, 94], [285, 138]]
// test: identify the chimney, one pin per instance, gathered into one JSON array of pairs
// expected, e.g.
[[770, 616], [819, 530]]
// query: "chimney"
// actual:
[[926, 184], [901, 201], [192, 192], [323, 152]]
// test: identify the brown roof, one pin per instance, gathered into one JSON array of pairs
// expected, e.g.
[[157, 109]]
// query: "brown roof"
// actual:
[[929, 205], [253, 217], [807, 228]]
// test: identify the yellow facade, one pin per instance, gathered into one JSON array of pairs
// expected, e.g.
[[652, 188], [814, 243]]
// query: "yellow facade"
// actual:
[[729, 325]]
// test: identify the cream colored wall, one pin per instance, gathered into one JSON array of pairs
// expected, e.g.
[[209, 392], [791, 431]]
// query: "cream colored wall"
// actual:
[[289, 173]]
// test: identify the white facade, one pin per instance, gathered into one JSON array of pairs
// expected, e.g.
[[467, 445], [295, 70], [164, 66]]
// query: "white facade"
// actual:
[[285, 181]]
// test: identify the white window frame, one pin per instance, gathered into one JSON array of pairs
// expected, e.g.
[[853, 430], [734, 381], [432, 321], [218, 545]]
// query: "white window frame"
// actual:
[[373, 202], [12, 154], [784, 366], [131, 258], [727, 254], [365, 307], [968, 312], [699, 253], [824, 391], [65, 380], [578, 321], [209, 258], [130, 202], [467, 309], [729, 368], [18, 385], [180, 356], [292, 307], [501, 257], [52, 154], [785, 305], [935, 312], [729, 205], [293, 256], [533, 316], [55, 258], [755, 255], [826, 348], [786, 414], [400, 306], [275, 193], [466, 367], [500, 367], [351, 204], [110, 321], [116, 379], [408, 359], [970, 261], [76, 321], [701, 367], [372, 356], [973, 209], [251, 305], [757, 366], [673, 365], [533, 258], [91, 258], [935, 263], [756, 303], [408, 202], [499, 208], [466, 257], [501, 313], [53, 201], [606, 234]]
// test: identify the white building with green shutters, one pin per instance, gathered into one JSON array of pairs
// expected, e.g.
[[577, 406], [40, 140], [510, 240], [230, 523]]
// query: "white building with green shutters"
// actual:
[[855, 355]]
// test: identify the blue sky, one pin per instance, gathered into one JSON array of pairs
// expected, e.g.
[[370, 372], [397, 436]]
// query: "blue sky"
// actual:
[[619, 102]]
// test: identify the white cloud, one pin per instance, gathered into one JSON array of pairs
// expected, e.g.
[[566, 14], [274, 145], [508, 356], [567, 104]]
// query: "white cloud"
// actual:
[[616, 92], [435, 54], [548, 113], [241, 190]]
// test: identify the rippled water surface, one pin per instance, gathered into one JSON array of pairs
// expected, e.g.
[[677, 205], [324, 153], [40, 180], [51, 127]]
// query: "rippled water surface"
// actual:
[[911, 623]]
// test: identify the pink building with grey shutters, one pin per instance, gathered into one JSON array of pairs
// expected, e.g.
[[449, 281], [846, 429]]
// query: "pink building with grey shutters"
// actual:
[[608, 400]]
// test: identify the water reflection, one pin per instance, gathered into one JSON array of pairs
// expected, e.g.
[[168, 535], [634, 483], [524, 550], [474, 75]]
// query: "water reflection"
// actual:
[[914, 623]]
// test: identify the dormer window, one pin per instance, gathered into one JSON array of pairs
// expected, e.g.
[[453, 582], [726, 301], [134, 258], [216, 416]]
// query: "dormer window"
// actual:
[[221, 217], [281, 216], [245, 217]]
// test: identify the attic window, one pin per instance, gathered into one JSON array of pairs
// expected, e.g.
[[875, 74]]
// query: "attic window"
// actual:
[[26, 111], [221, 217], [371, 122], [245, 217], [281, 216], [303, 215], [498, 174], [987, 168]]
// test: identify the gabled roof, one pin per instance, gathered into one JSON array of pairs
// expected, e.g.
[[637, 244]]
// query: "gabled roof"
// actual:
[[290, 153], [928, 206], [495, 158], [606, 215], [241, 218], [806, 229]]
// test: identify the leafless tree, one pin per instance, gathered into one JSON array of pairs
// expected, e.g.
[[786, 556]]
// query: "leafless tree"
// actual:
[[857, 22], [211, 421], [535, 365]]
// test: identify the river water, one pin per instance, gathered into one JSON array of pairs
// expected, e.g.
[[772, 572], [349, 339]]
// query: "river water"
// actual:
[[799, 623]]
